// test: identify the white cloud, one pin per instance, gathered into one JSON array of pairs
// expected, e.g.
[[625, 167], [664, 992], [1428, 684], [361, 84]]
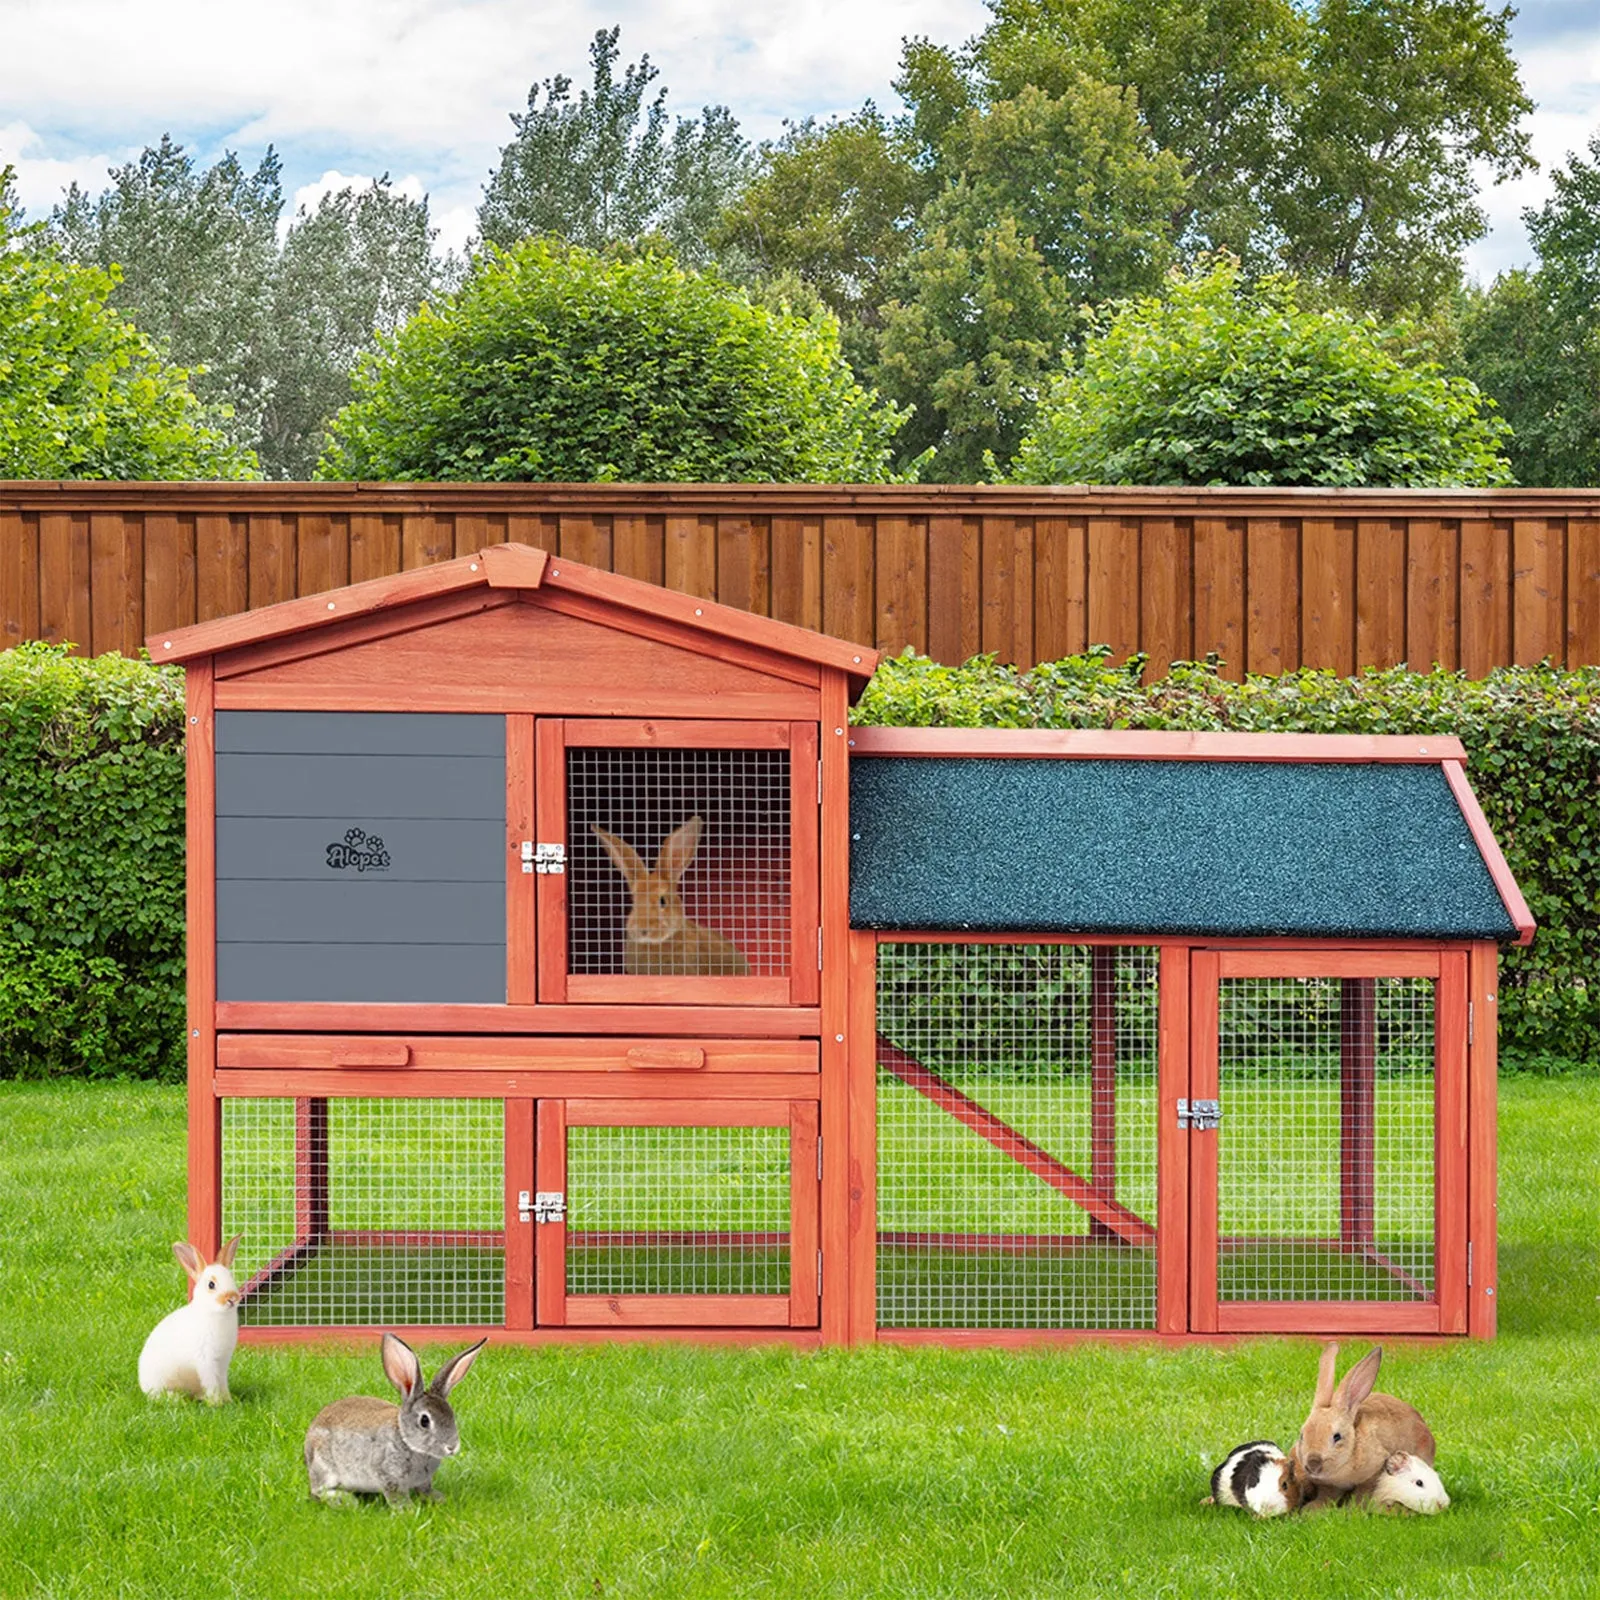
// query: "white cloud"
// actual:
[[43, 174]]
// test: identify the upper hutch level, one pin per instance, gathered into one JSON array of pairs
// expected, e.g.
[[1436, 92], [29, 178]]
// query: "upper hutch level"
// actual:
[[509, 793]]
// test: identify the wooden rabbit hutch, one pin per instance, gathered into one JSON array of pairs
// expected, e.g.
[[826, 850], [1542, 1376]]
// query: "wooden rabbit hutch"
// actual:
[[563, 965]]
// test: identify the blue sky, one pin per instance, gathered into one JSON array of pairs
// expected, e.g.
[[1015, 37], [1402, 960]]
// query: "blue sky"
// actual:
[[422, 89]]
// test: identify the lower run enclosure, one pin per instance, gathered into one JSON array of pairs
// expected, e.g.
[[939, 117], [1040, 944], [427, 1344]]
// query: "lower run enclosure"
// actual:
[[563, 965]]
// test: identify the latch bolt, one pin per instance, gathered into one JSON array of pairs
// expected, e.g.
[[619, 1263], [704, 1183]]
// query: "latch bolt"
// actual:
[[1200, 1115]]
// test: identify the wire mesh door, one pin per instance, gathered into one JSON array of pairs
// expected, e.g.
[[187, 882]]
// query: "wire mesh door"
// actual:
[[1327, 1152], [1017, 1097], [689, 867], [364, 1211], [662, 1214]]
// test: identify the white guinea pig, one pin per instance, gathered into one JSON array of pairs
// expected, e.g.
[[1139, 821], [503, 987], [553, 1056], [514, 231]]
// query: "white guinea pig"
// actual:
[[1410, 1484], [189, 1349]]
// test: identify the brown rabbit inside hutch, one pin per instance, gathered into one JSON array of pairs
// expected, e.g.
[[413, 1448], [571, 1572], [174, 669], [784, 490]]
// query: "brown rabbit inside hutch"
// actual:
[[699, 844]]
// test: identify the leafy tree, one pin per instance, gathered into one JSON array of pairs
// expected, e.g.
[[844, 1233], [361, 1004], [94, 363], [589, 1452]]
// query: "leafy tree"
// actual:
[[84, 394], [270, 329], [605, 170], [1048, 200], [833, 204], [1218, 383], [1533, 339], [1404, 99], [552, 362]]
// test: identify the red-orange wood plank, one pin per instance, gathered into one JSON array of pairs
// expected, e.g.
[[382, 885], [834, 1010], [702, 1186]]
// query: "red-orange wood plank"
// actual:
[[676, 1310], [1328, 594], [550, 810], [1433, 558], [549, 1238], [19, 578], [1219, 591], [1583, 592], [901, 561], [522, 972], [804, 1235], [1061, 587], [636, 548], [475, 532], [222, 566], [1114, 584], [519, 1176], [955, 588], [1328, 1318], [1172, 1144], [858, 1282], [272, 560], [1166, 593], [797, 571], [848, 605], [835, 1011], [116, 586], [723, 1022], [1485, 588], [1380, 593], [541, 529], [689, 549], [1482, 1154], [169, 571], [205, 1109], [598, 1057], [744, 564], [1204, 1037], [1538, 577], [1329, 963], [805, 904], [1450, 1142], [1272, 587], [677, 733]]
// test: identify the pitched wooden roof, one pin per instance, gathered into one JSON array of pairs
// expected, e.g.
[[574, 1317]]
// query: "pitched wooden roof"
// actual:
[[509, 566]]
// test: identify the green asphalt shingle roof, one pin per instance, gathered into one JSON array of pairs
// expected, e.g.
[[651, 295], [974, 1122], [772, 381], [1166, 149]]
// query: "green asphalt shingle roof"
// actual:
[[1210, 848]]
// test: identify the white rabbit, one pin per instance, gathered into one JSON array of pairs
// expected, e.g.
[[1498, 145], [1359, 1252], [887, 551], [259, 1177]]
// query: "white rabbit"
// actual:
[[188, 1351]]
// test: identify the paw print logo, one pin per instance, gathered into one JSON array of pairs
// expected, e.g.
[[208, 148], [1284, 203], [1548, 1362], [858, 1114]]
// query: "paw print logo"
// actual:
[[355, 838]]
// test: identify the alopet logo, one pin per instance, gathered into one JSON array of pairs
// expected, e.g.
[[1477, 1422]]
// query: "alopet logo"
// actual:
[[361, 850]]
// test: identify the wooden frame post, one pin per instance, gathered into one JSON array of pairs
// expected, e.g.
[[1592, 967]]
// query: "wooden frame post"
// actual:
[[200, 901], [1483, 1281], [1358, 1061], [1103, 1078], [310, 1171]]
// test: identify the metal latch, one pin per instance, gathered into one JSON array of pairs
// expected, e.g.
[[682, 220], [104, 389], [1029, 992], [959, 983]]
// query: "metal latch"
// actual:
[[549, 1206], [1199, 1114], [543, 858]]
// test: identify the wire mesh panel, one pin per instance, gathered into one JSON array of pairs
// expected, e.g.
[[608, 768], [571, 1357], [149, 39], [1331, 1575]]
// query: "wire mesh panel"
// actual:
[[1017, 1101], [678, 862], [1325, 1154], [678, 1210], [366, 1211]]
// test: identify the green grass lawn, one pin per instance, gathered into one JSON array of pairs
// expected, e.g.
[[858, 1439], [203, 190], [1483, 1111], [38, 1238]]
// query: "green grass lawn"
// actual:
[[678, 1471]]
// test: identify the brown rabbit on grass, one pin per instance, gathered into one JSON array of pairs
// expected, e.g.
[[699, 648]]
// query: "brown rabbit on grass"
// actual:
[[1351, 1432], [658, 936]]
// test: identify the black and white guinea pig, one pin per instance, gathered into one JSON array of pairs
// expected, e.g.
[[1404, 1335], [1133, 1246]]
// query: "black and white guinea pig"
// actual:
[[1259, 1478]]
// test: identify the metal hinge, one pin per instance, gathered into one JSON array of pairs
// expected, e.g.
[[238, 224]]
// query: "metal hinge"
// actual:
[[1469, 1263], [819, 949], [819, 783], [1471, 1021], [1200, 1115], [819, 1158], [545, 1206], [819, 1274], [543, 858]]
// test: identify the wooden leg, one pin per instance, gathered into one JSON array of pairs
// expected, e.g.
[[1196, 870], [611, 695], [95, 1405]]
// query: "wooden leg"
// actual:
[[310, 1171]]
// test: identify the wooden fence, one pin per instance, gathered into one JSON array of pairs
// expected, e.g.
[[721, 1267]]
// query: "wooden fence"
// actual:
[[1269, 579]]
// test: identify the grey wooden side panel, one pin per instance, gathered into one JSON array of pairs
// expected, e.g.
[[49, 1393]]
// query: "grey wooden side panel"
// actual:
[[368, 911], [371, 733], [363, 974], [297, 849], [362, 788], [361, 857]]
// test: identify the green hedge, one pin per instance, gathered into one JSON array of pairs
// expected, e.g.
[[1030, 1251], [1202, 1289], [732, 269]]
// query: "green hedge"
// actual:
[[1533, 741], [91, 866], [91, 822]]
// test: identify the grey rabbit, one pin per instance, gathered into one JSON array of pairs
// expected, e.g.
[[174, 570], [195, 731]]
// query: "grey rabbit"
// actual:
[[376, 1447]]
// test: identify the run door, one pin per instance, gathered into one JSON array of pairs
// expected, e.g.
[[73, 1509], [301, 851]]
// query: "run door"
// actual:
[[1326, 1134]]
